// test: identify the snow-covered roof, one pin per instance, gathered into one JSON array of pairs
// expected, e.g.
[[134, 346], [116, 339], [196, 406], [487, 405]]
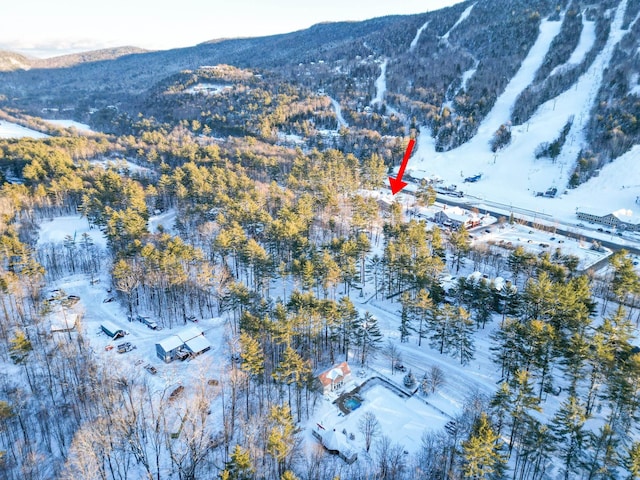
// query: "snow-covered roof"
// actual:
[[188, 333], [627, 216], [112, 327], [198, 344], [334, 441], [171, 343], [334, 374], [191, 336]]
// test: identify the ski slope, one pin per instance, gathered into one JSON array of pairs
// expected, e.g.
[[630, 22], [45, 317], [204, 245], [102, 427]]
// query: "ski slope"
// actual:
[[381, 84], [414, 42], [512, 176], [462, 18], [13, 130]]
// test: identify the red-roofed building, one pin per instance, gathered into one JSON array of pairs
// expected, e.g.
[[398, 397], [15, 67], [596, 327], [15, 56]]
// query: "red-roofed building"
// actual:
[[335, 377]]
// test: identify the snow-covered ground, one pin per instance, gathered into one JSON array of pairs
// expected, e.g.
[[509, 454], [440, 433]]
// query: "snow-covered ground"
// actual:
[[55, 230], [538, 242], [13, 130], [81, 127], [122, 164], [513, 175], [341, 121], [404, 420], [166, 220], [461, 19], [208, 88], [381, 84], [414, 42]]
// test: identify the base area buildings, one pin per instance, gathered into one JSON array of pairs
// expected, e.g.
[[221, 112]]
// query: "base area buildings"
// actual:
[[621, 219]]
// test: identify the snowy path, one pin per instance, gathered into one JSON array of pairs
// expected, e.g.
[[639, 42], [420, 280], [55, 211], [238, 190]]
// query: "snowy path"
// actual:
[[580, 99], [462, 18], [501, 111], [414, 42], [341, 121], [381, 84], [466, 75], [585, 43]]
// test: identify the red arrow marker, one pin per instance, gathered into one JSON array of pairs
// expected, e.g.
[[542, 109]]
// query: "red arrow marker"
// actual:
[[397, 184]]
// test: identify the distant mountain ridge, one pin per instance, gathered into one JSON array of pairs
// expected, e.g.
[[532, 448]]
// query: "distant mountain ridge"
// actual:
[[10, 61]]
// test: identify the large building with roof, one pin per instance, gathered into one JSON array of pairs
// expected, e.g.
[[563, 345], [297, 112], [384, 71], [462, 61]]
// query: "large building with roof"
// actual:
[[454, 217], [187, 342], [335, 377], [622, 219]]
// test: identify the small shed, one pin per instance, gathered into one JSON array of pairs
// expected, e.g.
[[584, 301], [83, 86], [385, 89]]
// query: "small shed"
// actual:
[[335, 377], [112, 330]]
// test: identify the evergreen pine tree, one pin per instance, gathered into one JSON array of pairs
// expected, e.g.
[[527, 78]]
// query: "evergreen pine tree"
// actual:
[[462, 330], [569, 435], [239, 467], [481, 452]]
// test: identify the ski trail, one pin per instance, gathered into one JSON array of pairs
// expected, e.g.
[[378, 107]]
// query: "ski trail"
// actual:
[[467, 75], [341, 121], [462, 18], [586, 41], [501, 110], [514, 177], [585, 91], [414, 42], [381, 84]]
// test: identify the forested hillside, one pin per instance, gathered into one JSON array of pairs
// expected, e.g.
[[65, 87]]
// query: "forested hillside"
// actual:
[[444, 71]]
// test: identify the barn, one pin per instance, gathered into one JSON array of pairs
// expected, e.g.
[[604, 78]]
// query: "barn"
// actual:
[[187, 342], [112, 330]]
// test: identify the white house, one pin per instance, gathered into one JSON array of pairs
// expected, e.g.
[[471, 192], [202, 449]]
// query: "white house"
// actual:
[[335, 377], [455, 216]]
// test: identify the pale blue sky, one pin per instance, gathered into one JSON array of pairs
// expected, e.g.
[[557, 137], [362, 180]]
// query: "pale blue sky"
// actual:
[[46, 27]]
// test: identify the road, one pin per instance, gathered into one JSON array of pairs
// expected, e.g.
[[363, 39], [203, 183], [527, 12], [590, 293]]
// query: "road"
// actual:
[[568, 230]]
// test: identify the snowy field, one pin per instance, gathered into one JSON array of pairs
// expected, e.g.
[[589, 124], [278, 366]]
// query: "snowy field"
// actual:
[[123, 165], [55, 230], [404, 420], [80, 127], [208, 88], [13, 130]]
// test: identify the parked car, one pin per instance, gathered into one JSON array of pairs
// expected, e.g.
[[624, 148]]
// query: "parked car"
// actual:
[[151, 369], [125, 347], [400, 367], [147, 321], [73, 299]]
